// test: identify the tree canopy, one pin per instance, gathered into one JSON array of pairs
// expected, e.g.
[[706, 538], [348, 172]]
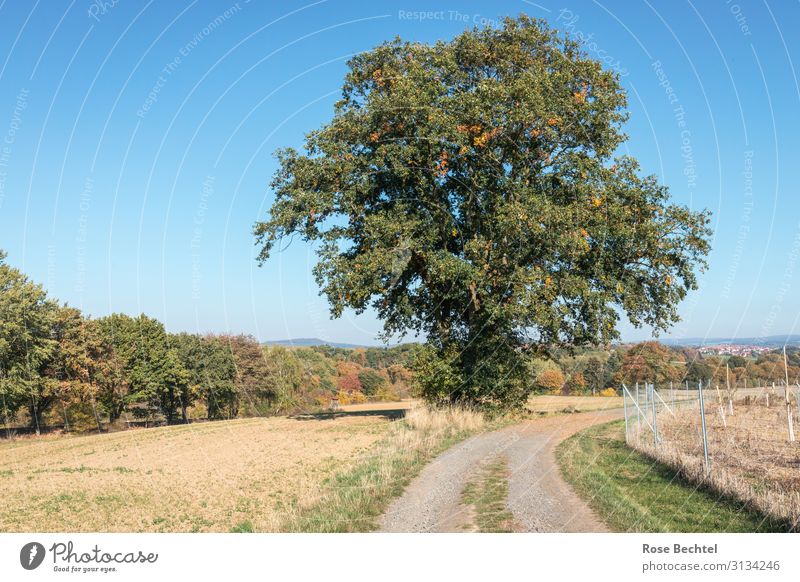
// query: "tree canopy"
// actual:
[[27, 345], [467, 191]]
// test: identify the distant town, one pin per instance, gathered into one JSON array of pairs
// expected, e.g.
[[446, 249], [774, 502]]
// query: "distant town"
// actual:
[[744, 346], [745, 350]]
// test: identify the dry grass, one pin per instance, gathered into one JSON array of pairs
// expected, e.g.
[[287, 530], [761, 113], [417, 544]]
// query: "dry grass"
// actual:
[[750, 456], [548, 404], [436, 423], [245, 474]]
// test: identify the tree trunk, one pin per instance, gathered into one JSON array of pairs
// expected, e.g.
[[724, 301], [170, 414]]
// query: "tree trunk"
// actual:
[[33, 412], [97, 419]]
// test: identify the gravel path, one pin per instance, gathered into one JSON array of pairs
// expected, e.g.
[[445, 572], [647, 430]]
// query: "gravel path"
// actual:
[[538, 496]]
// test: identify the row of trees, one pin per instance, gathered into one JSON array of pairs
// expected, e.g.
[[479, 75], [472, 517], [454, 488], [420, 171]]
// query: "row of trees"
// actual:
[[596, 370], [654, 362], [584, 375], [56, 364]]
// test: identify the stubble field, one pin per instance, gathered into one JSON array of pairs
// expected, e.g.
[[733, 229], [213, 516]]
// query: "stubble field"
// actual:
[[249, 474], [555, 403]]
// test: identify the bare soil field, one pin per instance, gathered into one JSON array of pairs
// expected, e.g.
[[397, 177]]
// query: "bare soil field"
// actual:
[[204, 477], [380, 406], [750, 455], [541, 404], [546, 403]]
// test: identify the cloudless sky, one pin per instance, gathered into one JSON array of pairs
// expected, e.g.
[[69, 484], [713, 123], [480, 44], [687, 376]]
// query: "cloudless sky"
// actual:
[[136, 143]]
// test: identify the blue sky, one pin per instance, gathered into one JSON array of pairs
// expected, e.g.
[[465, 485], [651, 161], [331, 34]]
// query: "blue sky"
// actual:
[[136, 143]]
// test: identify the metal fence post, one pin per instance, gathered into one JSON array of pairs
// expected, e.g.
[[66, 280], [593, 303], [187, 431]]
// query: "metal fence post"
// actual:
[[703, 423], [625, 409], [655, 413]]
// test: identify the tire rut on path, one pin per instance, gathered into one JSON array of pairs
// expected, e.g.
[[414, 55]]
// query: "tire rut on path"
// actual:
[[538, 496]]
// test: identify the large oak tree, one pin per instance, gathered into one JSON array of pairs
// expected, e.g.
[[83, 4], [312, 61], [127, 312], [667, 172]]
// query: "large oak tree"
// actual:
[[468, 191]]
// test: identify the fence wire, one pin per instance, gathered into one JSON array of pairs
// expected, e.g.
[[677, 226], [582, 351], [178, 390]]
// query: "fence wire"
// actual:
[[738, 440]]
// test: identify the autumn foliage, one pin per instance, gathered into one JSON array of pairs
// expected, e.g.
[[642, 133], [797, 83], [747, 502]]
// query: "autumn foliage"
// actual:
[[550, 381]]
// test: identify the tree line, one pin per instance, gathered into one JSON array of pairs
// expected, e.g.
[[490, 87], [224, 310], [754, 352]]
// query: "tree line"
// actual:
[[59, 366], [593, 370]]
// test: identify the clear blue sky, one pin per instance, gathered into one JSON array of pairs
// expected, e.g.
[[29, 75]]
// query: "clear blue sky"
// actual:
[[136, 143]]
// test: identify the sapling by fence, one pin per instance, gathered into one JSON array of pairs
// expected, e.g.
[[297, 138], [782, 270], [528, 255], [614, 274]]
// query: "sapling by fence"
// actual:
[[797, 398], [747, 455], [786, 397], [720, 408], [730, 390]]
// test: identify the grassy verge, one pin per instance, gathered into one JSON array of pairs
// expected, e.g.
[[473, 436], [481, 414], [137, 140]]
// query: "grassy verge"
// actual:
[[487, 494], [750, 459], [631, 492], [354, 499]]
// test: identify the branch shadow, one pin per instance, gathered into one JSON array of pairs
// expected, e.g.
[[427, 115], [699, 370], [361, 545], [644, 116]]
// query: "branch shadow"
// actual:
[[392, 414]]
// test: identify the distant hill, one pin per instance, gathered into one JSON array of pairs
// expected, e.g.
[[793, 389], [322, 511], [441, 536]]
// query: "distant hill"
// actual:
[[768, 341], [306, 342]]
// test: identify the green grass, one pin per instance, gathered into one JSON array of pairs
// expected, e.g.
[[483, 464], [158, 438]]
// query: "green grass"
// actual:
[[243, 527], [631, 492], [487, 494]]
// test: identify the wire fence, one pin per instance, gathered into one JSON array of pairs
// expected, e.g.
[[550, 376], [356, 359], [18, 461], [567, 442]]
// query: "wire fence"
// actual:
[[739, 441]]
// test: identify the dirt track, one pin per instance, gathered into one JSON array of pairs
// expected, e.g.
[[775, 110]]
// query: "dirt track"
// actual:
[[539, 498]]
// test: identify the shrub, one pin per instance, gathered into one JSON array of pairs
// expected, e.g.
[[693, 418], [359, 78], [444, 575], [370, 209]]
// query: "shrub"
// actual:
[[576, 384], [350, 397], [436, 376], [371, 382], [550, 380], [349, 383], [387, 394], [80, 416], [608, 392], [398, 374]]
